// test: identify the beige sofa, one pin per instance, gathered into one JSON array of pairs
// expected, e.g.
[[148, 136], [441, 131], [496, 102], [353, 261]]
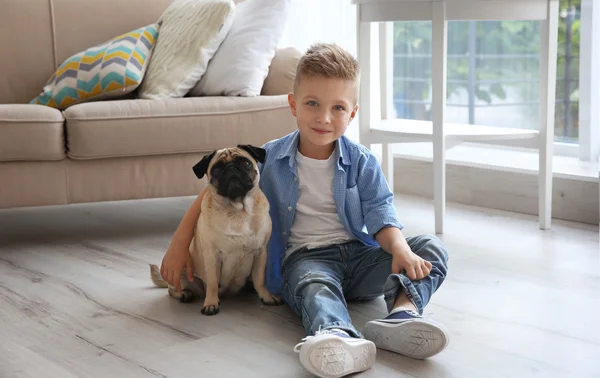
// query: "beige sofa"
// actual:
[[112, 150]]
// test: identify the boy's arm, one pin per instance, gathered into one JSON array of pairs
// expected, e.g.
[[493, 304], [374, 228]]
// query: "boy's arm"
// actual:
[[382, 222], [376, 199], [178, 256], [393, 242]]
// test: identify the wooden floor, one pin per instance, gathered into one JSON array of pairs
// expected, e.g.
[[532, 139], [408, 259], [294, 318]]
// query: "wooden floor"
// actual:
[[76, 300]]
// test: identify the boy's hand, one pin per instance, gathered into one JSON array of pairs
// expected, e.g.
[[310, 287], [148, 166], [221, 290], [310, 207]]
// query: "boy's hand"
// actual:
[[175, 261], [393, 242], [416, 268]]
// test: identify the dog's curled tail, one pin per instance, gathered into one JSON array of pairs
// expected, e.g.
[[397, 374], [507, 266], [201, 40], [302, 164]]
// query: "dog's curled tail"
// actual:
[[156, 277]]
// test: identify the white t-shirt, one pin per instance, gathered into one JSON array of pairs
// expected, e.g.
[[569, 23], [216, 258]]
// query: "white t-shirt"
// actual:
[[316, 221]]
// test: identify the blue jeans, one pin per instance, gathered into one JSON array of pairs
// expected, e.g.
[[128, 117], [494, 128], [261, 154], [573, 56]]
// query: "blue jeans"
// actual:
[[317, 282]]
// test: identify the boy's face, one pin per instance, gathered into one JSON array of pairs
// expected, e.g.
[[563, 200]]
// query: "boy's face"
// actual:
[[323, 107]]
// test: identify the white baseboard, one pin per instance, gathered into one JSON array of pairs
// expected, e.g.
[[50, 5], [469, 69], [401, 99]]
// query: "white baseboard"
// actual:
[[573, 199]]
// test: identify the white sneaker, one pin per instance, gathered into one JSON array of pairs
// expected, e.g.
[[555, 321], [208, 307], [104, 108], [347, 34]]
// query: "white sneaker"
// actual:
[[332, 353], [407, 333]]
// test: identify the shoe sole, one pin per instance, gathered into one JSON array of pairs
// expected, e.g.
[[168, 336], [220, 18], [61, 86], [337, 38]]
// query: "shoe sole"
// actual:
[[334, 358], [414, 338]]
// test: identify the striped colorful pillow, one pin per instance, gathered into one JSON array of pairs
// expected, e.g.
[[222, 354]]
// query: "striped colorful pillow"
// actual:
[[102, 72]]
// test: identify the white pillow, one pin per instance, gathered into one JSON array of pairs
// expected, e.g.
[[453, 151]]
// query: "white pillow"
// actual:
[[241, 64], [190, 33]]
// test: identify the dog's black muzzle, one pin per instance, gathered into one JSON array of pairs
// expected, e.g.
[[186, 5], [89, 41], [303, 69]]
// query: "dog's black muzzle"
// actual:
[[234, 182]]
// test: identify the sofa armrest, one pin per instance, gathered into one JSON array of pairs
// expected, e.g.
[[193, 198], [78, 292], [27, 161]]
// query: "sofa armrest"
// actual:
[[282, 72]]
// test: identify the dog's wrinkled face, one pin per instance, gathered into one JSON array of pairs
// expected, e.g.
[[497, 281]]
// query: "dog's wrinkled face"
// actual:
[[233, 172]]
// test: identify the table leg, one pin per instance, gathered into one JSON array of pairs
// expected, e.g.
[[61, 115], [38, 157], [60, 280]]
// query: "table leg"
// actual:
[[367, 113], [387, 164], [439, 49], [548, 41]]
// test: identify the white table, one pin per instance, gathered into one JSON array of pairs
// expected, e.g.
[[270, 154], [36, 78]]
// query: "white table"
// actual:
[[374, 18]]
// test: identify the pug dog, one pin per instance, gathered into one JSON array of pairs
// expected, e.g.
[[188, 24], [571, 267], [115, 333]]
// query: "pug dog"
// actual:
[[231, 235]]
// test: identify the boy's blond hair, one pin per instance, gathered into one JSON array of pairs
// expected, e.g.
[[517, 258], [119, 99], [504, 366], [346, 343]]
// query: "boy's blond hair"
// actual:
[[327, 60]]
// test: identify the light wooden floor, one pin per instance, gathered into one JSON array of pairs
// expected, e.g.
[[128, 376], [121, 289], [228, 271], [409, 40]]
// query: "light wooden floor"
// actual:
[[76, 300]]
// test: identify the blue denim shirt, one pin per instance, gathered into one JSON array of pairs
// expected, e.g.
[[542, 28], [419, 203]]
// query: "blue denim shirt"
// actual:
[[364, 201]]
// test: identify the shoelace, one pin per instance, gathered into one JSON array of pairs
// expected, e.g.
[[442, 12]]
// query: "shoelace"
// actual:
[[318, 333], [413, 313], [410, 312]]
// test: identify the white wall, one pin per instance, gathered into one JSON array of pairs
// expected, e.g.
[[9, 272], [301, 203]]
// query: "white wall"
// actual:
[[330, 21]]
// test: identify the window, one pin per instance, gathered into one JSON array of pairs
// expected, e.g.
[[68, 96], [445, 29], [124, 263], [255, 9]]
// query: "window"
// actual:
[[498, 83], [492, 72]]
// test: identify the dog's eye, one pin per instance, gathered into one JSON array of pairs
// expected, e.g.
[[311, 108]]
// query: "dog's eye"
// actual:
[[247, 164]]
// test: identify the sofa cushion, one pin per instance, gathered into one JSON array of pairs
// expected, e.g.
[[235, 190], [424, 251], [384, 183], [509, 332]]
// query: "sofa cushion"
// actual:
[[31, 132], [282, 72], [241, 63], [190, 33], [105, 71], [167, 126]]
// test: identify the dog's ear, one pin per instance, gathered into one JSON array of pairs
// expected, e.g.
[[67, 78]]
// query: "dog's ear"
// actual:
[[201, 167], [257, 153]]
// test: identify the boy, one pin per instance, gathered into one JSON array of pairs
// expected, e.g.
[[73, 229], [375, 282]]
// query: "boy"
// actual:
[[336, 236]]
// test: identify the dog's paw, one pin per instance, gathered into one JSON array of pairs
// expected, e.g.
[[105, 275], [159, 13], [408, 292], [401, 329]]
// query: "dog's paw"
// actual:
[[211, 307], [186, 296], [271, 300], [210, 310]]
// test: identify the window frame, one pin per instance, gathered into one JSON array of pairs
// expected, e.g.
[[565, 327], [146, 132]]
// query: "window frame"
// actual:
[[588, 146], [589, 88]]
